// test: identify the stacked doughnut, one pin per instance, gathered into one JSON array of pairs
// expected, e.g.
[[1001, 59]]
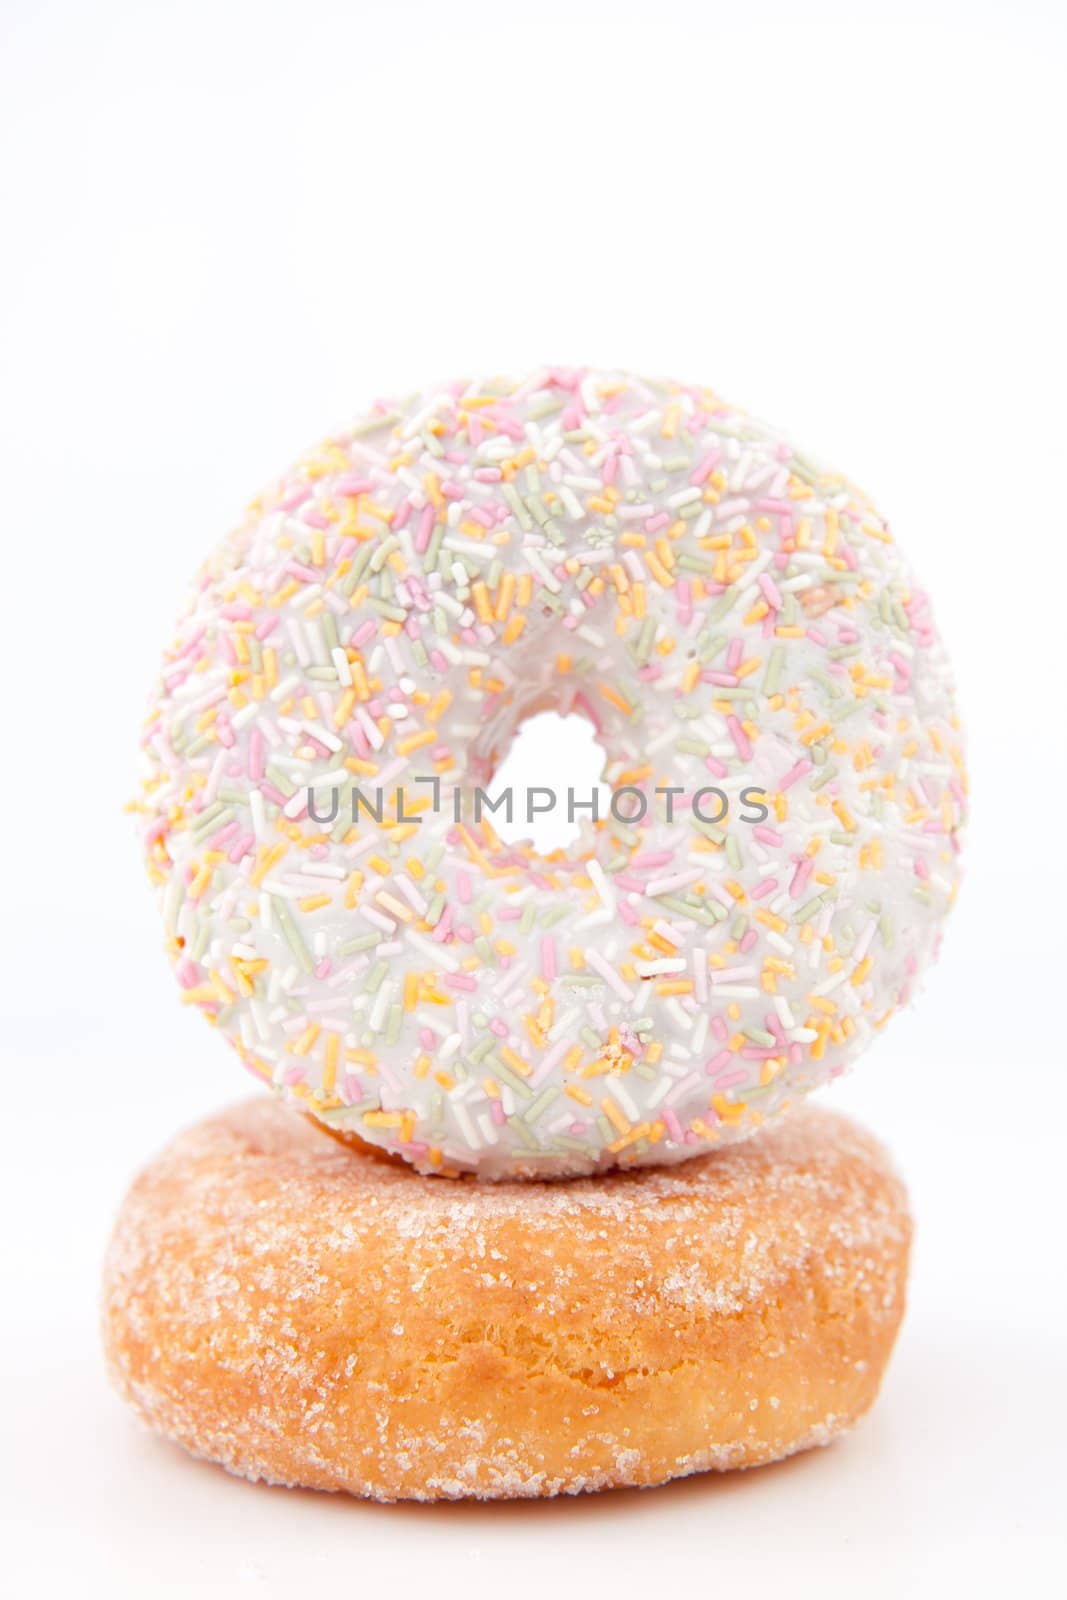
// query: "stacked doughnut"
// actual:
[[766, 886]]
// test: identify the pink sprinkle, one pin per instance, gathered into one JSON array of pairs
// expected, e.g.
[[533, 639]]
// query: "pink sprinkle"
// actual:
[[296, 569], [424, 529], [548, 958], [729, 1079], [802, 768], [805, 868], [651, 858], [672, 1125], [190, 644], [704, 469], [740, 738], [770, 590]]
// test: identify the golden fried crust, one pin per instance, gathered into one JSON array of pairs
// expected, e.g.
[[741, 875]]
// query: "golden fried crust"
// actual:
[[306, 1314]]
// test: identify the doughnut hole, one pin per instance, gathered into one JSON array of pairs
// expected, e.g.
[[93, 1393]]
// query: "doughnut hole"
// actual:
[[560, 753]]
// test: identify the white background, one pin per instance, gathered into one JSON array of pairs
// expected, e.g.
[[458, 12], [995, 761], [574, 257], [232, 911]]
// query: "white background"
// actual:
[[225, 228]]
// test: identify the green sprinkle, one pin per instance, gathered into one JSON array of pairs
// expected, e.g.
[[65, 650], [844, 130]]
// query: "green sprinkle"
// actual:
[[775, 662]]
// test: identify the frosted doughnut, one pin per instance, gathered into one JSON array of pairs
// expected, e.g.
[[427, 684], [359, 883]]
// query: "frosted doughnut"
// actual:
[[737, 624], [304, 1314]]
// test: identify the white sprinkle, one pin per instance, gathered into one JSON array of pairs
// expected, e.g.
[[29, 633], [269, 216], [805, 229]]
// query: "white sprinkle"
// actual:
[[340, 661], [651, 969], [431, 950], [605, 970]]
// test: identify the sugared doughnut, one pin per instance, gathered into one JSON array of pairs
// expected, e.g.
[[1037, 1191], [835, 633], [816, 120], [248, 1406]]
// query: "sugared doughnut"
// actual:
[[303, 1313], [739, 627]]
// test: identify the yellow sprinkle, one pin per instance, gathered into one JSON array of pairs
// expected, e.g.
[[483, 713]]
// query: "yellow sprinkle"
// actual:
[[415, 741], [396, 908], [615, 1115], [480, 596], [505, 596], [329, 1071], [514, 1061], [658, 570], [616, 699], [641, 1131], [303, 1045]]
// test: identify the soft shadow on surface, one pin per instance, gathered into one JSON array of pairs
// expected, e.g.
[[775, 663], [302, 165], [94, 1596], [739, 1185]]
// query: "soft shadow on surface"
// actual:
[[472, 1513], [606, 1502]]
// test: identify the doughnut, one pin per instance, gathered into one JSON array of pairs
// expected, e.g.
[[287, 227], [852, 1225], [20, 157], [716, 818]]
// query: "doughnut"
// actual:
[[303, 1313], [782, 752]]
